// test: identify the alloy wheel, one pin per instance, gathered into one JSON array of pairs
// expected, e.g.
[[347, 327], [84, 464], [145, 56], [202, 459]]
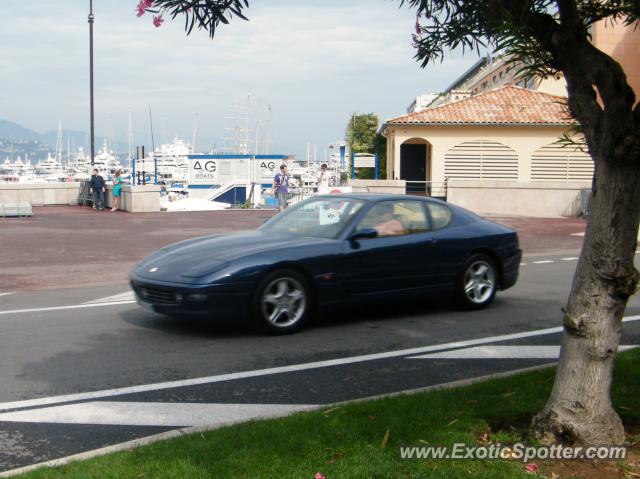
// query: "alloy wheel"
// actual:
[[283, 302], [479, 282]]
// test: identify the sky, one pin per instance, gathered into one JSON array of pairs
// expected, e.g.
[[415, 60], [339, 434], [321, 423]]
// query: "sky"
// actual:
[[315, 62]]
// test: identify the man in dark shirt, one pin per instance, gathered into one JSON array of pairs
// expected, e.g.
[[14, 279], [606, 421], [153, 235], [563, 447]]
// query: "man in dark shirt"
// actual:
[[98, 189]]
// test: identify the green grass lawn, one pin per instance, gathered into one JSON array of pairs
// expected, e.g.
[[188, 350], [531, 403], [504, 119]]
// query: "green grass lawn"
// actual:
[[361, 440]]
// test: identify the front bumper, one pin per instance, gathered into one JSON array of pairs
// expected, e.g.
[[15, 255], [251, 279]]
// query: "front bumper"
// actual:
[[215, 301]]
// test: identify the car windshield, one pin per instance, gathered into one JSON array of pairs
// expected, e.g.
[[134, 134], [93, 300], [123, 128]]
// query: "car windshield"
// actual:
[[320, 217]]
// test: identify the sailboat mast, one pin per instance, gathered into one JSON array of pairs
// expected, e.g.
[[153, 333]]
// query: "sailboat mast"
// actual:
[[268, 135], [195, 133], [59, 143], [130, 140], [153, 147]]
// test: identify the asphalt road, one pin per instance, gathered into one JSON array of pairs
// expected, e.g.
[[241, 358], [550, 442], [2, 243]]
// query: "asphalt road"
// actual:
[[85, 376]]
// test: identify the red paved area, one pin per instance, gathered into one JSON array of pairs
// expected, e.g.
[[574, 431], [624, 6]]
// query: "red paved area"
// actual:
[[543, 235], [74, 246]]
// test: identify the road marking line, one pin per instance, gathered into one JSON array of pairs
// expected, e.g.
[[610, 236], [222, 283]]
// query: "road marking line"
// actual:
[[577, 234], [545, 261], [6, 294], [275, 370], [126, 296], [570, 259], [520, 351], [116, 413], [62, 308], [523, 264]]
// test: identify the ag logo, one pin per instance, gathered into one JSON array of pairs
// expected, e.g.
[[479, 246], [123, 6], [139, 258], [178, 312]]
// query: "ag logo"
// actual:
[[268, 165], [209, 166]]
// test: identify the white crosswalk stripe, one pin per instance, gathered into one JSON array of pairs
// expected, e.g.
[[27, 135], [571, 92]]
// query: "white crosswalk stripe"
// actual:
[[116, 298], [116, 413], [502, 352]]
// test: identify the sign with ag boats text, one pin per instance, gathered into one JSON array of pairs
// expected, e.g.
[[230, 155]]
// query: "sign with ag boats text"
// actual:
[[267, 168], [203, 171]]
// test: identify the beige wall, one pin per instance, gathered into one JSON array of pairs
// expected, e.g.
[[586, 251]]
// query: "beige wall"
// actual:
[[394, 187], [539, 199], [622, 43], [40, 194], [523, 139], [136, 199]]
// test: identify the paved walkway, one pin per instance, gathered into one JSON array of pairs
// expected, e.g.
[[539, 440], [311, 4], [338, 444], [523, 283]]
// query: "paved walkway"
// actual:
[[75, 246]]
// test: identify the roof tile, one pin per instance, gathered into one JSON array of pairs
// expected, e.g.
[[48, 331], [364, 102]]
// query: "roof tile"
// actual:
[[509, 105]]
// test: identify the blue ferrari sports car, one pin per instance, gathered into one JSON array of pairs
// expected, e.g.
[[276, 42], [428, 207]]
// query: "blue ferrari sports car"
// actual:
[[331, 249]]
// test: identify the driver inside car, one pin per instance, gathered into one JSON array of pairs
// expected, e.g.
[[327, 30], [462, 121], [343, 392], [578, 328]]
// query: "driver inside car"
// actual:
[[388, 225]]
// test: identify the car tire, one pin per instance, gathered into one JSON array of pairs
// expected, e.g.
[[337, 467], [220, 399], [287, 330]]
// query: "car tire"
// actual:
[[477, 283], [282, 302]]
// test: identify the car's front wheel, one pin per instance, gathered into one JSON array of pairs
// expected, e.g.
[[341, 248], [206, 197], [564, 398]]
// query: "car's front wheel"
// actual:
[[282, 302], [477, 283]]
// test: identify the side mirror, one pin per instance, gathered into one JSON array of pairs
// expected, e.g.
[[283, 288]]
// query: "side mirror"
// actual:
[[364, 233]]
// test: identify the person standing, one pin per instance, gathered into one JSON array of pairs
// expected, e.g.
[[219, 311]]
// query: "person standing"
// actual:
[[98, 188], [117, 186], [323, 178], [281, 186]]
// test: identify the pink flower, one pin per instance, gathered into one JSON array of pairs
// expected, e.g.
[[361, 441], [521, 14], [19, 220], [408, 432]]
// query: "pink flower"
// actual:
[[142, 7], [318, 476], [157, 20], [531, 468]]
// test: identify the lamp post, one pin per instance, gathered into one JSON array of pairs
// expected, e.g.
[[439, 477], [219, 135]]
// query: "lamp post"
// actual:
[[93, 138]]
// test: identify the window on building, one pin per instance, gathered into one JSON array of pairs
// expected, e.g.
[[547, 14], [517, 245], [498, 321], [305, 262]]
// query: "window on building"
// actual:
[[481, 160], [556, 162]]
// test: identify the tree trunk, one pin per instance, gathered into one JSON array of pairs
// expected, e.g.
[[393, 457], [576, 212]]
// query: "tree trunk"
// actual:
[[579, 410]]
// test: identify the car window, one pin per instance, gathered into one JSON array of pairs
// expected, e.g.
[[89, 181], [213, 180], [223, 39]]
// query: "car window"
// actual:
[[318, 217], [440, 215], [396, 218]]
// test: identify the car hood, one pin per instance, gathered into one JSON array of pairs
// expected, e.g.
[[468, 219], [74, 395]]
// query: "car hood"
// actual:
[[200, 257]]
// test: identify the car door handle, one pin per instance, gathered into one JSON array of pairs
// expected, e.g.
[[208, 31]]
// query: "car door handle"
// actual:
[[431, 240]]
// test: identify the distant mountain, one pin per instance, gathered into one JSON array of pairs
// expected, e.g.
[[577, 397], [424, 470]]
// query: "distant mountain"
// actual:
[[13, 131]]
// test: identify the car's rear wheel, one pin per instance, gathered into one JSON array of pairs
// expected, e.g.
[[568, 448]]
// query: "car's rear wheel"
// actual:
[[282, 302], [477, 283]]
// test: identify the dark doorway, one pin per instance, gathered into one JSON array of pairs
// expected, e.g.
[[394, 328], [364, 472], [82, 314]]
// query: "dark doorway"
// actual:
[[413, 167]]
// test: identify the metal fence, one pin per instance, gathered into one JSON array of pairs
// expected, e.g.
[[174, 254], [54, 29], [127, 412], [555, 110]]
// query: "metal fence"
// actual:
[[435, 189], [283, 200]]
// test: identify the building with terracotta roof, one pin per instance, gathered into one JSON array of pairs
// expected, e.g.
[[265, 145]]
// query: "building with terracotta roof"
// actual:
[[495, 152]]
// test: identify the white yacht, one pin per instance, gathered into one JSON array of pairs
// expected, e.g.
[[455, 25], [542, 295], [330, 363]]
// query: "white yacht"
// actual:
[[50, 166], [106, 162], [172, 160], [81, 163]]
